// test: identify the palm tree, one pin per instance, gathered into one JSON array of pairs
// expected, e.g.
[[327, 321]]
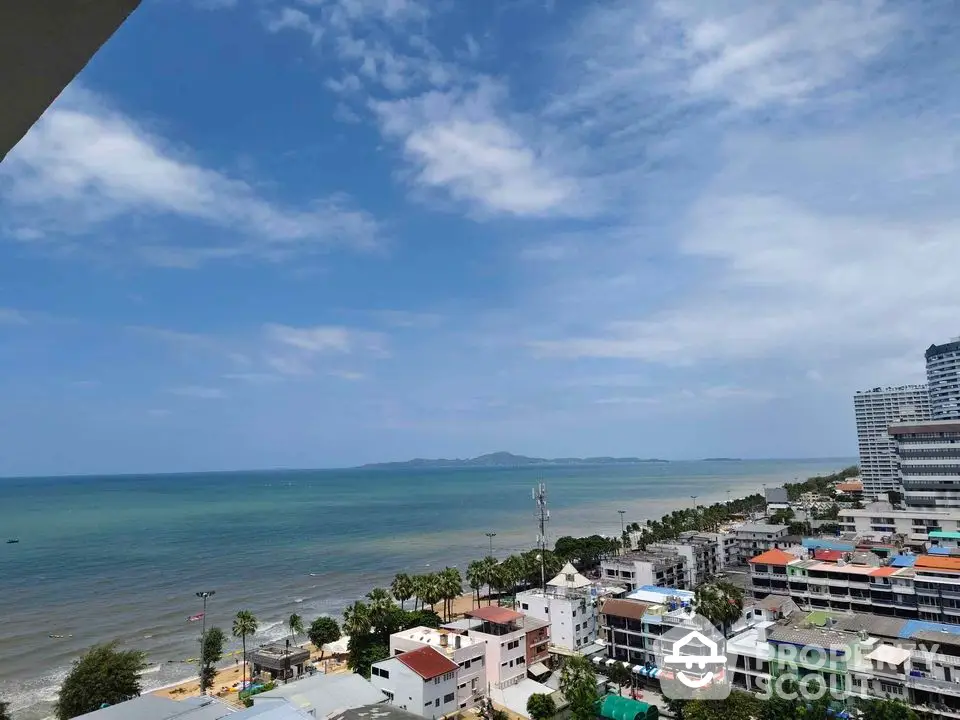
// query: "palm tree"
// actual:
[[295, 623], [419, 590], [402, 588], [451, 585], [720, 602], [489, 575], [244, 624], [380, 604], [356, 619], [476, 577]]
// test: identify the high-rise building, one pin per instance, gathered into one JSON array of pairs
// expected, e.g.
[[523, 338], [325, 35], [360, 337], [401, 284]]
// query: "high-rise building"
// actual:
[[943, 380], [876, 410], [928, 455]]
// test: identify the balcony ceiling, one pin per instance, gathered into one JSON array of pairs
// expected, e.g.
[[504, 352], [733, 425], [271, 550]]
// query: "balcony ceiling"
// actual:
[[43, 45]]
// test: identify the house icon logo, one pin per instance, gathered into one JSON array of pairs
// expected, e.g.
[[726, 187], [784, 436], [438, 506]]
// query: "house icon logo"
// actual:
[[691, 655]]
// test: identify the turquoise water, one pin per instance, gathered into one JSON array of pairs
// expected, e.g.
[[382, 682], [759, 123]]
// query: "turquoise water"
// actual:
[[120, 558]]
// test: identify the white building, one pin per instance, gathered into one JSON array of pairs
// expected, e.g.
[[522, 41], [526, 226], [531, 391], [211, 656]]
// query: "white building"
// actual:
[[875, 411], [665, 568], [929, 462], [755, 538], [504, 634], [880, 520], [422, 681], [569, 604], [468, 653], [943, 380], [701, 553]]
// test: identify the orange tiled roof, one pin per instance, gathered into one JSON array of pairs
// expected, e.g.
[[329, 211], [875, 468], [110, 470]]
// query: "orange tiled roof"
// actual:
[[884, 571], [935, 562], [773, 557]]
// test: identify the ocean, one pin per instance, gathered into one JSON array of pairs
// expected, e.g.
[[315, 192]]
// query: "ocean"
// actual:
[[121, 558]]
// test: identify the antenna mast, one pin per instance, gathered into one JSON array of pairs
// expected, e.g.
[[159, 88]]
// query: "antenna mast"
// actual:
[[543, 516]]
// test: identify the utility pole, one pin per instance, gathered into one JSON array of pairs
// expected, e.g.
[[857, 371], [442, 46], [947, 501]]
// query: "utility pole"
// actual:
[[623, 531], [491, 536], [543, 515], [203, 632]]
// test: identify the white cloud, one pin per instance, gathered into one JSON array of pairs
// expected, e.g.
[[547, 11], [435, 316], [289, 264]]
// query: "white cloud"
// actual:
[[199, 392], [85, 164], [9, 316], [295, 351], [457, 141], [349, 375]]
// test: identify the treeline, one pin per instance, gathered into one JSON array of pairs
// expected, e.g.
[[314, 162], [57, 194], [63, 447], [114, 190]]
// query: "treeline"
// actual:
[[702, 519], [820, 484]]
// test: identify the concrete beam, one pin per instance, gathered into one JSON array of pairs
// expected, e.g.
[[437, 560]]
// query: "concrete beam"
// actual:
[[43, 45]]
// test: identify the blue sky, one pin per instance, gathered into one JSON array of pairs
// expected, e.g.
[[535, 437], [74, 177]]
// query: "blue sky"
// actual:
[[306, 233]]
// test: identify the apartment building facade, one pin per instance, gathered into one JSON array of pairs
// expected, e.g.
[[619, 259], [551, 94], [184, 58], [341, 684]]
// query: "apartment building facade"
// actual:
[[504, 634], [755, 538], [468, 653], [928, 456], [701, 553], [875, 411], [665, 568], [943, 380], [877, 521], [422, 681]]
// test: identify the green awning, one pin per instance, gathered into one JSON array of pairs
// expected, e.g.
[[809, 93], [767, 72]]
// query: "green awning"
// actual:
[[945, 534], [614, 707]]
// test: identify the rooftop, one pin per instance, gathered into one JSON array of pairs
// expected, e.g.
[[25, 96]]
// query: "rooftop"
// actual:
[[761, 528], [813, 636], [326, 694], [375, 712], [427, 662], [496, 615], [933, 562], [434, 638], [630, 609], [930, 426], [773, 557], [656, 594], [945, 534], [153, 707], [569, 578]]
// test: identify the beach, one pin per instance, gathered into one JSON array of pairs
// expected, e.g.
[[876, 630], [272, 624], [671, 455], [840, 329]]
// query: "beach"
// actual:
[[121, 558]]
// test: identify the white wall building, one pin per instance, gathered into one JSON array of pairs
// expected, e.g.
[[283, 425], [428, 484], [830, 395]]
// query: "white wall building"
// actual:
[[755, 538], [468, 653], [569, 604], [701, 553], [421, 681], [943, 380], [505, 637], [879, 520], [665, 568], [875, 411], [928, 455]]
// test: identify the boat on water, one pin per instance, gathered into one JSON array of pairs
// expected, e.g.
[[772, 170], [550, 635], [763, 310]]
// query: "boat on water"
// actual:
[[11, 541]]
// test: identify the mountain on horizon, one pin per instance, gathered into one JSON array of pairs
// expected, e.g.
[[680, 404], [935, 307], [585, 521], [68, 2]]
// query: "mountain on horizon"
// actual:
[[507, 459]]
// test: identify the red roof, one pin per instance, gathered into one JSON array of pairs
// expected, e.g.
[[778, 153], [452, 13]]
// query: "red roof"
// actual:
[[498, 615], [935, 562], [427, 662], [828, 555], [773, 557], [884, 571]]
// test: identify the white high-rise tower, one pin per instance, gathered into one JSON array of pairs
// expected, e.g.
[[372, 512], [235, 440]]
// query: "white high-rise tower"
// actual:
[[876, 411], [943, 380]]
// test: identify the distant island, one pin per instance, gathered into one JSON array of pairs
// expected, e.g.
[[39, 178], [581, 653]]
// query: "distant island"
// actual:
[[722, 459], [506, 459]]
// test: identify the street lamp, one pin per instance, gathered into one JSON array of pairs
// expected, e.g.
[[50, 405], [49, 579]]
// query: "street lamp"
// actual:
[[694, 498], [491, 536], [204, 594]]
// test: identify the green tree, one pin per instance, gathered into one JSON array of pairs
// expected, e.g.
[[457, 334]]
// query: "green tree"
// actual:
[[362, 654], [104, 675], [450, 587], [402, 588], [476, 577], [295, 623], [381, 604], [323, 630], [578, 683], [356, 619], [541, 707], [720, 602], [877, 709], [244, 624], [210, 654], [489, 574], [736, 705], [619, 676]]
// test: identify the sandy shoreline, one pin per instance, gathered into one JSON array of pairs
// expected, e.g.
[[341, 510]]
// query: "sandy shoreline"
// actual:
[[229, 678]]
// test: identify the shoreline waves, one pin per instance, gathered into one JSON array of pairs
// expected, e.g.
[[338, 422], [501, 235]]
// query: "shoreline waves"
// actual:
[[104, 559]]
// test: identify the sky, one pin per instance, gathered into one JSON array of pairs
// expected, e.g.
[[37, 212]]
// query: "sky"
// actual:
[[318, 233]]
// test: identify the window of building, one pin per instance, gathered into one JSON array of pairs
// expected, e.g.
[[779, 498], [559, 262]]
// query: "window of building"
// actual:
[[436, 680], [448, 698], [388, 694], [520, 661], [436, 703], [513, 645], [524, 606], [380, 672], [448, 676]]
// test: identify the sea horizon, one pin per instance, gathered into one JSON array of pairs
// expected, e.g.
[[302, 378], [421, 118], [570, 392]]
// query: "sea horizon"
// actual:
[[120, 557]]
